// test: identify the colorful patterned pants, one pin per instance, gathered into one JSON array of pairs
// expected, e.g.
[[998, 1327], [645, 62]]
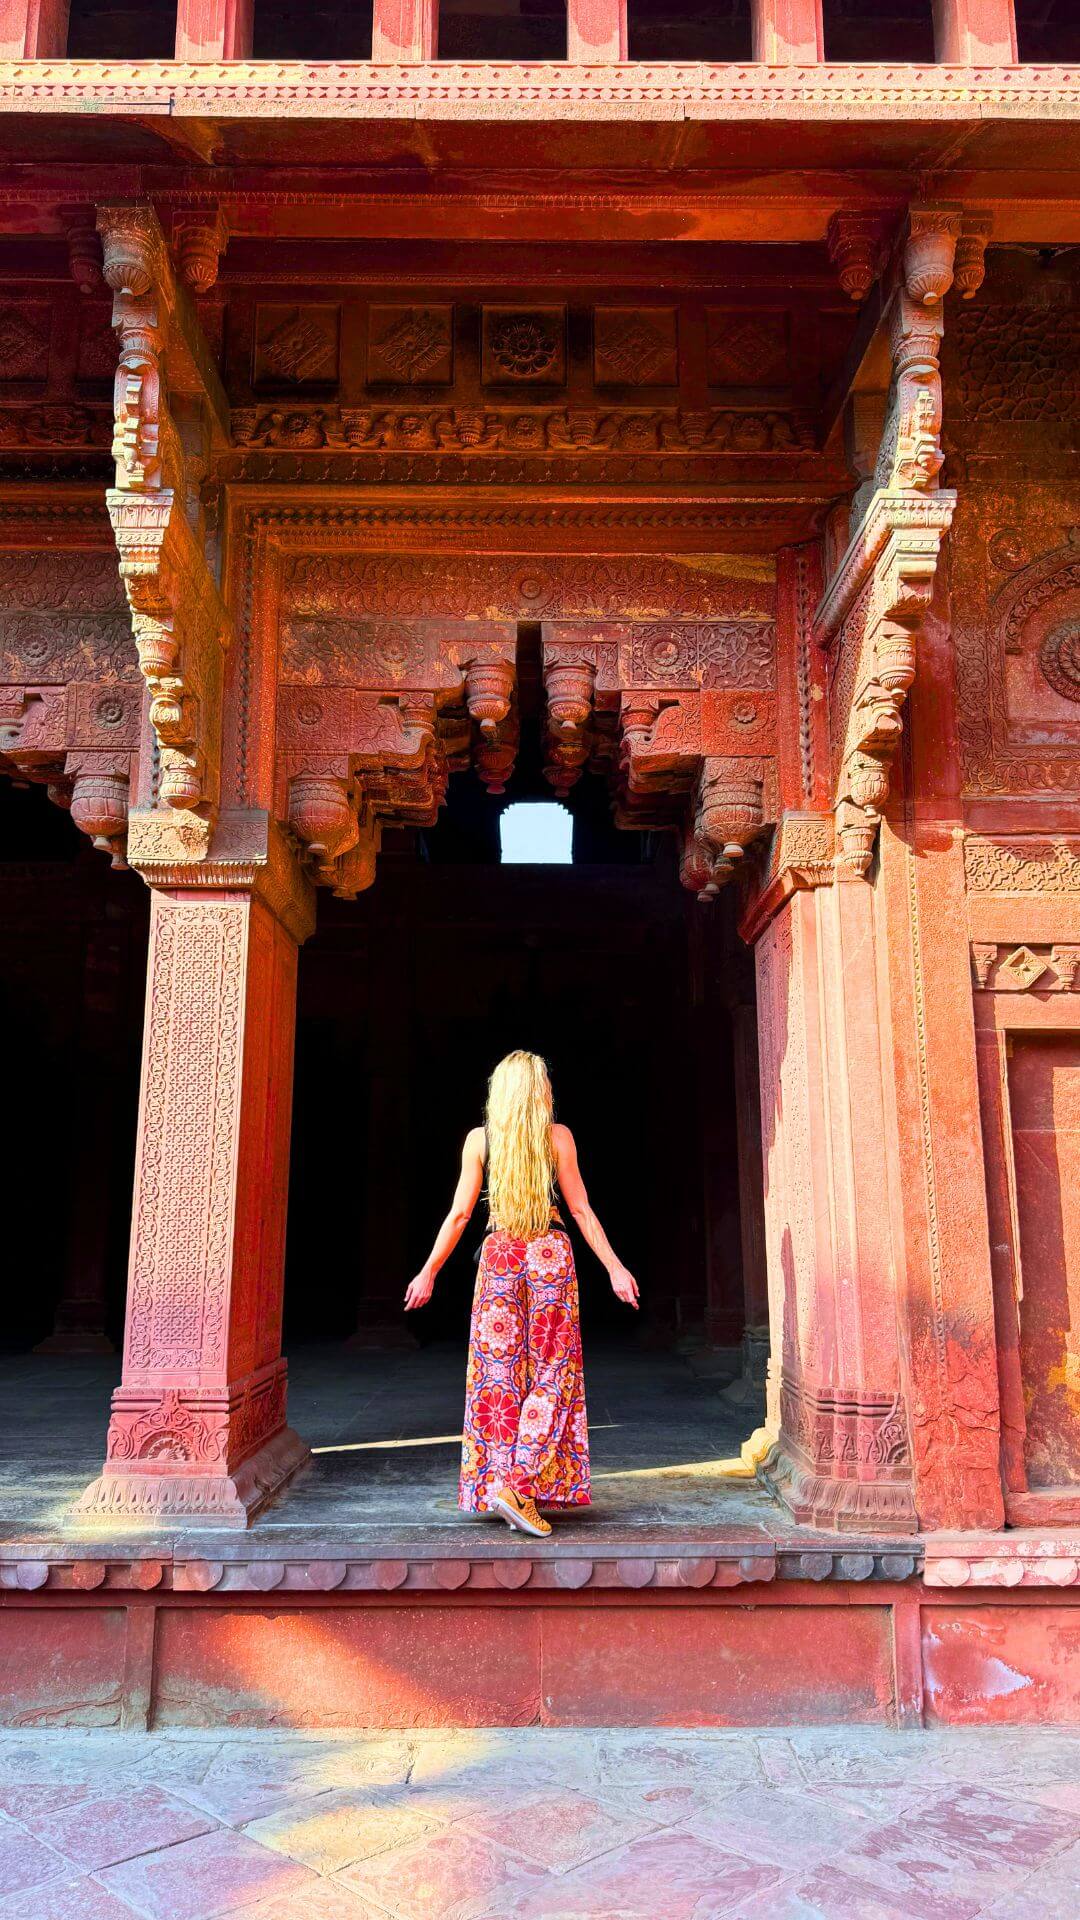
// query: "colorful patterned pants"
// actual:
[[525, 1420]]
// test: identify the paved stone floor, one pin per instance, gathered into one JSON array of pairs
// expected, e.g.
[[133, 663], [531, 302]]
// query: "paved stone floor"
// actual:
[[385, 1429], [542, 1824]]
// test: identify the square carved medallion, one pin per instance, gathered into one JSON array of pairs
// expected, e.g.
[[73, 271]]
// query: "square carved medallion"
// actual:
[[524, 345], [296, 346], [747, 349], [24, 341], [411, 345], [636, 346]]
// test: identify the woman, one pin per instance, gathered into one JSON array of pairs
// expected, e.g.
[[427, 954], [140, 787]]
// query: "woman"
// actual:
[[526, 1437]]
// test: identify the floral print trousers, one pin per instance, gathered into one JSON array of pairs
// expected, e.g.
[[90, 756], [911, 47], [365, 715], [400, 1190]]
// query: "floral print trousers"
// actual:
[[525, 1423]]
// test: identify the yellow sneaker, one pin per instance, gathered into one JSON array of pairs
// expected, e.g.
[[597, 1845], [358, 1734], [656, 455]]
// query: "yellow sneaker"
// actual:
[[521, 1512]]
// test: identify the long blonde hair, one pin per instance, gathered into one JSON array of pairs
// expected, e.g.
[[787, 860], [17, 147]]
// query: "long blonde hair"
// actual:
[[520, 1157]]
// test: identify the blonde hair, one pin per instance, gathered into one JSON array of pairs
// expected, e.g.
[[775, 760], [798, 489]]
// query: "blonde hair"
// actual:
[[520, 1158]]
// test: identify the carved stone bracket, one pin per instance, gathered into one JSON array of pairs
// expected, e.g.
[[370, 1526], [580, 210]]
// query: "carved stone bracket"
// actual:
[[180, 624], [408, 704], [682, 718], [79, 742], [869, 621]]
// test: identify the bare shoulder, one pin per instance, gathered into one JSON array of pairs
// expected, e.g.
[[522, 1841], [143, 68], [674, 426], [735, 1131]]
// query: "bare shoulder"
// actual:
[[474, 1144], [562, 1140]]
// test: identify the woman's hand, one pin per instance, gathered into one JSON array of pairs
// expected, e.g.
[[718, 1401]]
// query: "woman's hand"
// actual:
[[625, 1285], [419, 1291]]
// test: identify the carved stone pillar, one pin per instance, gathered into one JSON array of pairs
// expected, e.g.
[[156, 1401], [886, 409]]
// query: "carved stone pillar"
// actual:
[[975, 33], [198, 1423], [843, 1456], [787, 33]]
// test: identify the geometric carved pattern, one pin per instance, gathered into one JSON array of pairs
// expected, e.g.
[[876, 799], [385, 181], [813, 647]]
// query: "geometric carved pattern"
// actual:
[[1005, 969], [410, 344], [635, 346], [1032, 865], [24, 342], [180, 1245], [296, 346], [747, 349]]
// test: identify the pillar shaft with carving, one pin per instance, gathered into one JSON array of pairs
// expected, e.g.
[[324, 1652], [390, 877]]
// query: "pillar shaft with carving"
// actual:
[[198, 1423], [836, 1399]]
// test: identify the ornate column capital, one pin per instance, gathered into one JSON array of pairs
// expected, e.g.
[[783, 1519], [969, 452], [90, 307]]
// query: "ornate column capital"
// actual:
[[249, 853]]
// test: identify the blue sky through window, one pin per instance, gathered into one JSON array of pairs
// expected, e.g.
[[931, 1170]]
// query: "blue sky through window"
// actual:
[[536, 833]]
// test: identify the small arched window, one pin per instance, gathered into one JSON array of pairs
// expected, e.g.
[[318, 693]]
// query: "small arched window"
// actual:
[[538, 833]]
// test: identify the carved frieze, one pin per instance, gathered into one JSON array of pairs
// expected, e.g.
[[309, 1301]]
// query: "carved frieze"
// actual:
[[1032, 864], [483, 430], [679, 716]]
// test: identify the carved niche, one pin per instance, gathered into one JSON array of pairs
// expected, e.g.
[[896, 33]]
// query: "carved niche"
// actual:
[[180, 625], [70, 691], [1018, 659]]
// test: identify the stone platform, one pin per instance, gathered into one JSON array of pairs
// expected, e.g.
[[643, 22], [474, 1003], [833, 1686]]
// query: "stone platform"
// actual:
[[363, 1597]]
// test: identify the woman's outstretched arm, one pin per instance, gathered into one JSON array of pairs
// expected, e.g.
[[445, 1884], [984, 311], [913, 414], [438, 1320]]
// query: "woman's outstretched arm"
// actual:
[[572, 1187], [466, 1194]]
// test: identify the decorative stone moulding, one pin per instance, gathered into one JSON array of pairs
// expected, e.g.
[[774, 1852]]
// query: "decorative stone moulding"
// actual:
[[1004, 967], [82, 748], [1001, 1560], [194, 1564], [524, 430], [544, 91]]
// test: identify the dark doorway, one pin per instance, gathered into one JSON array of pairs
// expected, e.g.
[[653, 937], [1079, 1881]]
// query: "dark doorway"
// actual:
[[73, 938], [412, 993]]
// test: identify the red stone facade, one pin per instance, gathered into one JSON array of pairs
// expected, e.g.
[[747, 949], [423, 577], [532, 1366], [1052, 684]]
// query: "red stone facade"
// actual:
[[756, 391]]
